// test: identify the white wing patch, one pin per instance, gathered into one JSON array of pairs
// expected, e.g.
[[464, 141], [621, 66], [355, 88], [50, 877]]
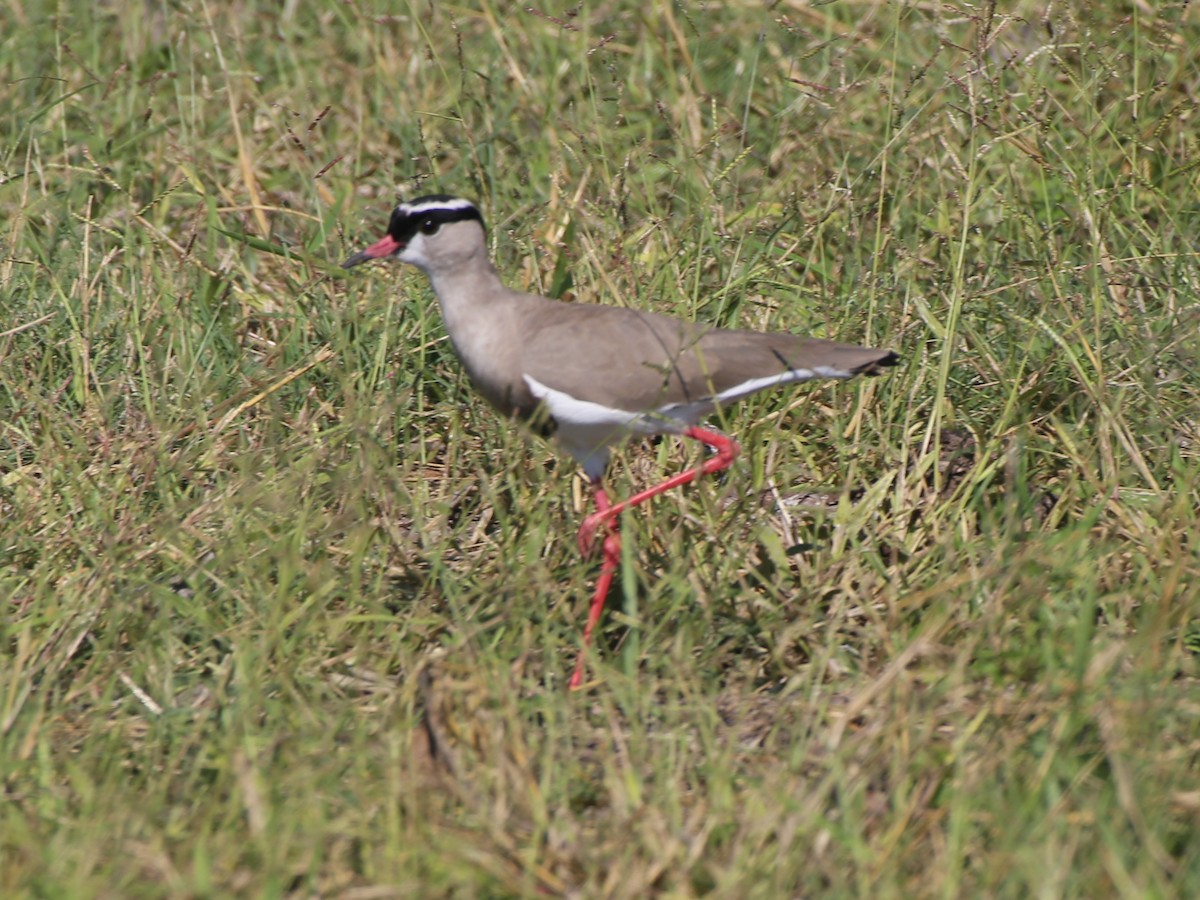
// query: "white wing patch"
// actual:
[[586, 430], [694, 412]]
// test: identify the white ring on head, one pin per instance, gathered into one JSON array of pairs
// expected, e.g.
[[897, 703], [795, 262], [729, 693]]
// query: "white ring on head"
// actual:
[[416, 209]]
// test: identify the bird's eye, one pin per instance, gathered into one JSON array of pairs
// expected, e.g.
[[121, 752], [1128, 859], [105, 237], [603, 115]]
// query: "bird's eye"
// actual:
[[429, 226]]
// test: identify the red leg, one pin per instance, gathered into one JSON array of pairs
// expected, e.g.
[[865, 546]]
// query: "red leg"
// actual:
[[608, 568], [606, 516], [727, 451]]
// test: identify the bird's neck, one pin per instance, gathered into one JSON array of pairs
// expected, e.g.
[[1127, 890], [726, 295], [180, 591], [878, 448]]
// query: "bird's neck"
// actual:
[[480, 315], [465, 291]]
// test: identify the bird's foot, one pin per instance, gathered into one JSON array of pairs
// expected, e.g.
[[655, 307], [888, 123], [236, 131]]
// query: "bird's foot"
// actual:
[[596, 522]]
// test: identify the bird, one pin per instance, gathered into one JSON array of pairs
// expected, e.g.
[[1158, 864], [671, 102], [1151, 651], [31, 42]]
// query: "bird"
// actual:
[[595, 375]]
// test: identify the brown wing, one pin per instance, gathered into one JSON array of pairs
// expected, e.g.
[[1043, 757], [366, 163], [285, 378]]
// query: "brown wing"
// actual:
[[627, 359]]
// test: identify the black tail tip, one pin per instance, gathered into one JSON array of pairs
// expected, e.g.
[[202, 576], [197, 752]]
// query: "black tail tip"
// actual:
[[876, 367]]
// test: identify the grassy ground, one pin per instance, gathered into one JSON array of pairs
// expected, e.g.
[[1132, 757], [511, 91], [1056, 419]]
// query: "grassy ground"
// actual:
[[287, 610]]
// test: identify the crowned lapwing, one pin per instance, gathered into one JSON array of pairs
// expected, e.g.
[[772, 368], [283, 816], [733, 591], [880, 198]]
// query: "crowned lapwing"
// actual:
[[596, 374]]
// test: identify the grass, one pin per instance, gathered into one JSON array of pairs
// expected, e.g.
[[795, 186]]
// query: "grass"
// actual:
[[289, 611]]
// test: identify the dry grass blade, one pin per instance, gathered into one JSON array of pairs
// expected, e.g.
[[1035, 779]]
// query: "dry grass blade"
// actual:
[[288, 610]]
